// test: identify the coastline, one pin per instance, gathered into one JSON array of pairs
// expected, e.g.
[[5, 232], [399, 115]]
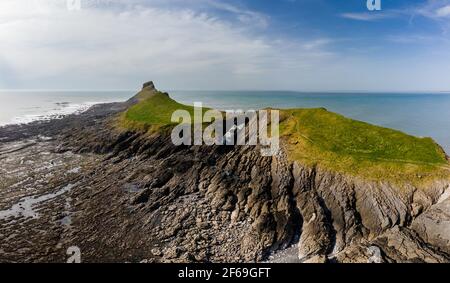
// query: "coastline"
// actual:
[[21, 107], [53, 127], [127, 197], [55, 114], [422, 116]]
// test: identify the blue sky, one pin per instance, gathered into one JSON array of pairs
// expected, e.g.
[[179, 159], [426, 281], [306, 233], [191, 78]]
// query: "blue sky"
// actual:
[[317, 45]]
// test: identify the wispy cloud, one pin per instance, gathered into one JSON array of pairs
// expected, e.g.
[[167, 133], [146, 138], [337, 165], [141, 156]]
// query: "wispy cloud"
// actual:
[[108, 47], [433, 9], [417, 39], [196, 44], [368, 16], [316, 44], [362, 16], [443, 11], [244, 15]]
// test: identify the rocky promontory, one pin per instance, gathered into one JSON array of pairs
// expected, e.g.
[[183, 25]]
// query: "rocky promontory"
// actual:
[[124, 195]]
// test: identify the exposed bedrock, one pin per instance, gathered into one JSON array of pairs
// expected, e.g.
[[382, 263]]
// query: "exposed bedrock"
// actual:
[[140, 198], [225, 203]]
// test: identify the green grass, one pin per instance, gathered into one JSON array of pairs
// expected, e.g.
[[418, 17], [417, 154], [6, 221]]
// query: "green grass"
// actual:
[[317, 137], [156, 110], [153, 112], [321, 138]]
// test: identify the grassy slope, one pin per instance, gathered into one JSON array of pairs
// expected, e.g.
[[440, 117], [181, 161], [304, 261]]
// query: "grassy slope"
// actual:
[[317, 137], [156, 110], [153, 112], [325, 139]]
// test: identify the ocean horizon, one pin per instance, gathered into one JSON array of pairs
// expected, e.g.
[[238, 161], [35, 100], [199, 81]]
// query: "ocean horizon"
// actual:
[[418, 114]]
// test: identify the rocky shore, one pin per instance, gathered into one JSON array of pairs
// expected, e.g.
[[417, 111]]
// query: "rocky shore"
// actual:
[[125, 196]]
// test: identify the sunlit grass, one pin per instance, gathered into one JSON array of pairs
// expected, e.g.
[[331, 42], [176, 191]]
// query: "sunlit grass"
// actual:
[[321, 138], [317, 137], [153, 112]]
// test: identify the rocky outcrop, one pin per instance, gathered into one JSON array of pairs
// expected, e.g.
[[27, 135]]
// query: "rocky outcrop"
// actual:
[[149, 85], [226, 203], [434, 224], [143, 199]]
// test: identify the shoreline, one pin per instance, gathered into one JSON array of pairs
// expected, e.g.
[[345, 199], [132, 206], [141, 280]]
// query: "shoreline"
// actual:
[[421, 124], [84, 183], [47, 115], [55, 127], [53, 114], [48, 119]]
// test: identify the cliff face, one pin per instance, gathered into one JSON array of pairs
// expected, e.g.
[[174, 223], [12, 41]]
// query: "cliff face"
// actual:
[[140, 198], [226, 203]]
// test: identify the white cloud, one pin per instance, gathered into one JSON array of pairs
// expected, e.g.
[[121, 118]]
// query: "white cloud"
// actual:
[[433, 9], [367, 16], [48, 46], [183, 44], [443, 11], [244, 15], [316, 44]]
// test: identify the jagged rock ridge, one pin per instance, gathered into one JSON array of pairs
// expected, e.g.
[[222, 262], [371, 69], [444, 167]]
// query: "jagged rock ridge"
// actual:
[[227, 203], [144, 199]]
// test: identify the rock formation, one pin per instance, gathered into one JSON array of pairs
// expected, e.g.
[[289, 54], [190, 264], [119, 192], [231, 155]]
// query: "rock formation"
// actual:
[[140, 198], [148, 85]]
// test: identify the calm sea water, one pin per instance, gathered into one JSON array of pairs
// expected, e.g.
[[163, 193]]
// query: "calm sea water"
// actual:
[[18, 107], [416, 114]]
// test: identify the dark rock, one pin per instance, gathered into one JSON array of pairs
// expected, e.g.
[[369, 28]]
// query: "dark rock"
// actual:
[[149, 85], [243, 205]]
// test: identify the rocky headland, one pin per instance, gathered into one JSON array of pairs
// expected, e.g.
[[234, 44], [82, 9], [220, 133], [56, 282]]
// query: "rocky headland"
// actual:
[[127, 195]]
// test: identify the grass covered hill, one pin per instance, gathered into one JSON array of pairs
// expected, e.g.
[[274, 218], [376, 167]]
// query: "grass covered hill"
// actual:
[[321, 138], [152, 112], [317, 137]]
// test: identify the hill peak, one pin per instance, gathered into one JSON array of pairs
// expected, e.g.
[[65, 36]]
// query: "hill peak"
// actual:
[[149, 85]]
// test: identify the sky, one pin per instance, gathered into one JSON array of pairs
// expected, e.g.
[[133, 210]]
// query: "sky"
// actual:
[[304, 45]]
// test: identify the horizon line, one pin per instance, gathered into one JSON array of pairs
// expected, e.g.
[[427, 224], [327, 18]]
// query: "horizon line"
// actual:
[[232, 90]]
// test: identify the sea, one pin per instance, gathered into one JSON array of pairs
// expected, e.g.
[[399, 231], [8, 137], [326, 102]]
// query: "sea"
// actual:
[[419, 114]]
